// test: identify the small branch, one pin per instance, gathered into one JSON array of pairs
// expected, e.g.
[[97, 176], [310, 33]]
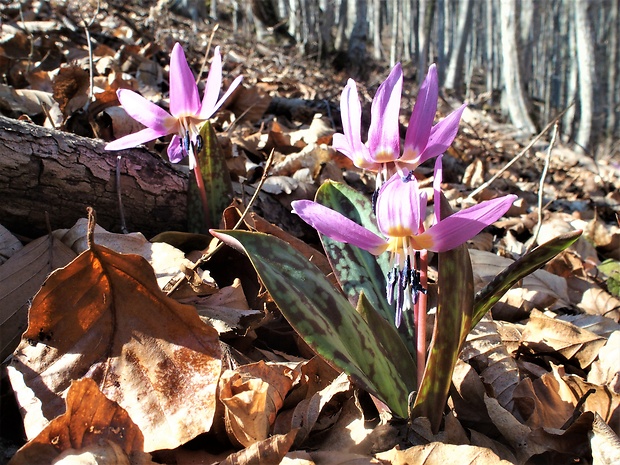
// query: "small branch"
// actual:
[[541, 187], [520, 154]]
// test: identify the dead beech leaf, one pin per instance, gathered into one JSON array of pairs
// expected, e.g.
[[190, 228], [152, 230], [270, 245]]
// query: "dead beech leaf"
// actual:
[[252, 396], [594, 300], [437, 453], [269, 451], [545, 334], [104, 317], [606, 370], [71, 88], [90, 419], [605, 443], [20, 278]]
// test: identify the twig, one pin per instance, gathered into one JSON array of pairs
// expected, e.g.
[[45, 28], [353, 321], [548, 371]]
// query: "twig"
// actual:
[[204, 59], [520, 154], [541, 187], [207, 256], [121, 209], [91, 67]]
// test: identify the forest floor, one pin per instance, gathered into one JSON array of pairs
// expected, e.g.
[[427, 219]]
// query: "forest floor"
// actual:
[[537, 380]]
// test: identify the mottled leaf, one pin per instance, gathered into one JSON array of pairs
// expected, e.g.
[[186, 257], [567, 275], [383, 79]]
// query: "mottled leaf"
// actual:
[[322, 316], [216, 178], [104, 317], [530, 262], [355, 269]]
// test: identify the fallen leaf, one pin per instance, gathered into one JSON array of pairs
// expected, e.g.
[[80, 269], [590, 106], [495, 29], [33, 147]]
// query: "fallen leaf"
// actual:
[[20, 278], [103, 316], [90, 420], [606, 370], [605, 443], [437, 453], [269, 451], [9, 244]]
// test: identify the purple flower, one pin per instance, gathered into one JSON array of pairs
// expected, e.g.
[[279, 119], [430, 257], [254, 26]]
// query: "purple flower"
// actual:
[[401, 209], [187, 112], [381, 152]]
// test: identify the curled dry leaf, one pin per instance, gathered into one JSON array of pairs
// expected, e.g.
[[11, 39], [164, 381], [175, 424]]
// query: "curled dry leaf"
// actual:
[[90, 420], [606, 370], [104, 317], [545, 334], [437, 453], [605, 443], [20, 279], [594, 300], [252, 396]]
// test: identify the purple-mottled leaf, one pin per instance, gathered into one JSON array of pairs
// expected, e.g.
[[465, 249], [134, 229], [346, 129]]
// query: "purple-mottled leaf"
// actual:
[[322, 316]]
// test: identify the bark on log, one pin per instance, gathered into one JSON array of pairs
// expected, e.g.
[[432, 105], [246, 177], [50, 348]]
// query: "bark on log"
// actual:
[[44, 170]]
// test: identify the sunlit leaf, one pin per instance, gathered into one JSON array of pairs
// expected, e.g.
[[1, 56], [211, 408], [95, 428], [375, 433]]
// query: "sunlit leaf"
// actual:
[[322, 316], [104, 317], [90, 419], [487, 297]]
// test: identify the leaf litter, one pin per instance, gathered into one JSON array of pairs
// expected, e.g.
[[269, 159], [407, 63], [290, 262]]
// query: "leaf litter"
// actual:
[[110, 366]]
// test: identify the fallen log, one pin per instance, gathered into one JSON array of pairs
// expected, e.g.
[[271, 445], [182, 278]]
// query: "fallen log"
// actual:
[[58, 173]]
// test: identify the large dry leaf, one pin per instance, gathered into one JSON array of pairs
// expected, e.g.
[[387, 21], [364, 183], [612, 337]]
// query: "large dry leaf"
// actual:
[[252, 395], [545, 334], [437, 453], [9, 244], [605, 443], [269, 451], [20, 279], [103, 316], [90, 419], [606, 369], [594, 300]]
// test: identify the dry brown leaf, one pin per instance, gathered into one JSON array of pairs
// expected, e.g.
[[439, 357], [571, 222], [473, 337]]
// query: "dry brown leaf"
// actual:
[[594, 300], [71, 88], [467, 396], [269, 451], [605, 443], [437, 453], [342, 458], [606, 369], [20, 279], [90, 420], [543, 334], [252, 395], [103, 316], [306, 413], [486, 352]]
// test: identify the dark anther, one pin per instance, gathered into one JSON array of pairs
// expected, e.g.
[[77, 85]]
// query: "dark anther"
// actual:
[[375, 196], [199, 143], [186, 141], [390, 285], [407, 178]]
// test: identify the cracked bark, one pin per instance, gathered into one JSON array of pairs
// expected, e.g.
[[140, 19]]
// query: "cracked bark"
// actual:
[[44, 170]]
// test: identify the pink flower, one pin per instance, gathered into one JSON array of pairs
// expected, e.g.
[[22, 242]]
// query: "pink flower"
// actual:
[[187, 112], [400, 210], [381, 152]]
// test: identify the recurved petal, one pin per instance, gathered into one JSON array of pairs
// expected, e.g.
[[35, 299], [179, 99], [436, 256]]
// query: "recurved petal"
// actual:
[[146, 112], [135, 139], [383, 134], [207, 114], [175, 150], [338, 227], [184, 98], [442, 135], [437, 178], [213, 84], [465, 224], [399, 207], [423, 115]]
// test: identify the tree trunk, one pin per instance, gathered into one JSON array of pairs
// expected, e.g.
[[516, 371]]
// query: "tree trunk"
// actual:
[[585, 59], [426, 13], [44, 171], [357, 42], [454, 75], [514, 96]]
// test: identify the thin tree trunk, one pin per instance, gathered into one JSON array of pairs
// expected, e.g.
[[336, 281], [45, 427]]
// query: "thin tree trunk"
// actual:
[[454, 74], [395, 37], [376, 29], [514, 96], [585, 59], [427, 12]]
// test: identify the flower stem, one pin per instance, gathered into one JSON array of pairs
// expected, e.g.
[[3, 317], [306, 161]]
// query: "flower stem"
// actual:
[[203, 193], [420, 316]]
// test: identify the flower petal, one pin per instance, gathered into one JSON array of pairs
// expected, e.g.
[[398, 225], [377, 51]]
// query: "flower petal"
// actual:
[[220, 102], [338, 227], [442, 135], [135, 139], [213, 84], [184, 98], [463, 225], [437, 178], [146, 112], [422, 117], [175, 150], [399, 207], [384, 134]]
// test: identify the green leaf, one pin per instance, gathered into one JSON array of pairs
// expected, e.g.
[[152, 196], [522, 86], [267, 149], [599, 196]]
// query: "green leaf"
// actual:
[[322, 316], [388, 336], [216, 178], [530, 262], [452, 324], [611, 268], [355, 269]]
